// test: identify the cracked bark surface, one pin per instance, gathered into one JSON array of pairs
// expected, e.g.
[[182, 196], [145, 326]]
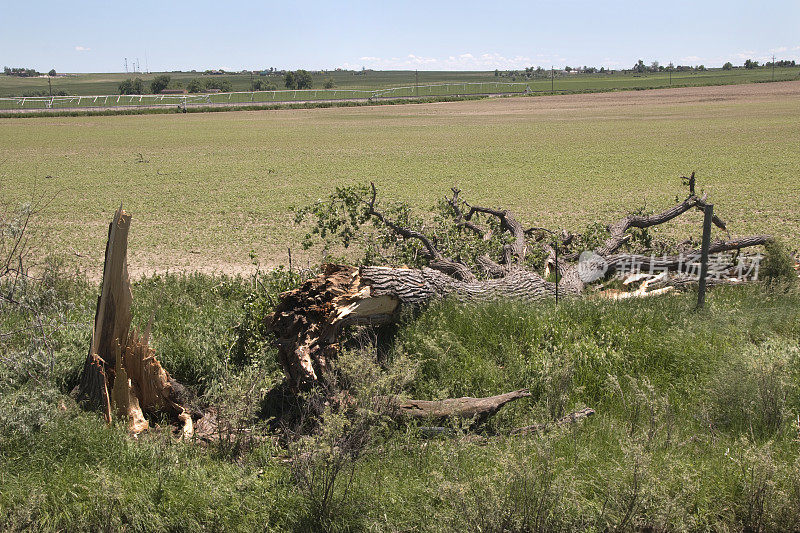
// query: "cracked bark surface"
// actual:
[[308, 321]]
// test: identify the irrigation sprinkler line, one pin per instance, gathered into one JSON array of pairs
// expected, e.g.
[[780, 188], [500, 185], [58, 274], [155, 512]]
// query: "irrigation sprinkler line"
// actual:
[[312, 94]]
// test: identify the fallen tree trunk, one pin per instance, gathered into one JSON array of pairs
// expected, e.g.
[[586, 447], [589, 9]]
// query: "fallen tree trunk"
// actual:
[[307, 321]]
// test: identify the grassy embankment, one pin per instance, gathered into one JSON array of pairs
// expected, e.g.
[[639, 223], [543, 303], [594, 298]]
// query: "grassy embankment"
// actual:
[[695, 427]]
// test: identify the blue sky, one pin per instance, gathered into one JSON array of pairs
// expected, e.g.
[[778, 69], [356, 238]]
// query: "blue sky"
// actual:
[[174, 35]]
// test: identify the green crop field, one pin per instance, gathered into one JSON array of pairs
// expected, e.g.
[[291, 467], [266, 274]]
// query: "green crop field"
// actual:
[[206, 189], [349, 84]]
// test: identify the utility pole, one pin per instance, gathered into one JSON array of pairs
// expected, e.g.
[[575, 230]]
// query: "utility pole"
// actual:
[[773, 67], [670, 73], [126, 65]]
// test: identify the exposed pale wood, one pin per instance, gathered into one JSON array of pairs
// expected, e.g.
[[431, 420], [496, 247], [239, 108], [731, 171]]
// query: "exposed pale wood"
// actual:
[[150, 384], [466, 408], [112, 316], [121, 374]]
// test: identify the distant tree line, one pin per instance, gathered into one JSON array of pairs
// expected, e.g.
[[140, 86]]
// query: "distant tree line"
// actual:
[[21, 72], [640, 67]]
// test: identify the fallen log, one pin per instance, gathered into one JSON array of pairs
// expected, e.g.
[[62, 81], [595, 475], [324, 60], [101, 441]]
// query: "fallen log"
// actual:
[[307, 322], [541, 428], [476, 409]]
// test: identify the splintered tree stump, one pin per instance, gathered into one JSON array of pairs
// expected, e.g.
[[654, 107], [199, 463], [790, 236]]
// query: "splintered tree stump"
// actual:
[[121, 374], [112, 318]]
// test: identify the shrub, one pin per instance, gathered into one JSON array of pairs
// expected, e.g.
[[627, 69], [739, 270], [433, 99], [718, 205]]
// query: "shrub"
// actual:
[[222, 85], [777, 266], [194, 86], [129, 86], [299, 79], [27, 409], [329, 83]]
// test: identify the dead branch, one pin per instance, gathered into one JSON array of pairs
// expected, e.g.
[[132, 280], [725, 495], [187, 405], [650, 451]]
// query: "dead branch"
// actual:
[[477, 409], [435, 257], [514, 253], [571, 418]]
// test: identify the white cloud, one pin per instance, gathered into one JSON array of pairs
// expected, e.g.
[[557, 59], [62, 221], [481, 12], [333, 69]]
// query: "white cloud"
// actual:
[[82, 48], [691, 59]]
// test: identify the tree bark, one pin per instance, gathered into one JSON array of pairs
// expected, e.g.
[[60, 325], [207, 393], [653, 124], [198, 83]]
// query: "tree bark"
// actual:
[[478, 409], [308, 320]]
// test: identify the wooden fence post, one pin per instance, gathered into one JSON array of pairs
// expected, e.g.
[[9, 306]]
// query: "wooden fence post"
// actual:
[[708, 215]]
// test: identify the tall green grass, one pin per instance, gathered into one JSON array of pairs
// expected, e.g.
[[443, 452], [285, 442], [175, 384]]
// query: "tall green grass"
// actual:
[[695, 426]]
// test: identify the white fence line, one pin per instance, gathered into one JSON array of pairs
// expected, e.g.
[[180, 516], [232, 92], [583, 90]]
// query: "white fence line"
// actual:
[[280, 95]]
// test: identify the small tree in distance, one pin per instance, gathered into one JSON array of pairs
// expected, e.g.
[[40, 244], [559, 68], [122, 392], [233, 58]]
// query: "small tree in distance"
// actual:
[[329, 83], [299, 79], [727, 66], [130, 86], [159, 83], [289, 80], [49, 80]]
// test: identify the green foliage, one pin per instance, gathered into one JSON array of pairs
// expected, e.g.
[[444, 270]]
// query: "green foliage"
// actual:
[[252, 340], [129, 86], [343, 220], [221, 85], [159, 83], [777, 265], [299, 79], [20, 72], [329, 83], [262, 85], [194, 86], [727, 66], [27, 409]]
